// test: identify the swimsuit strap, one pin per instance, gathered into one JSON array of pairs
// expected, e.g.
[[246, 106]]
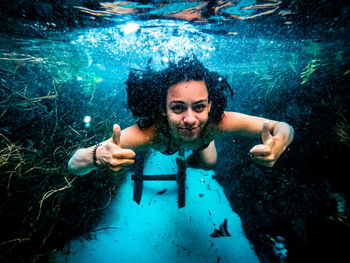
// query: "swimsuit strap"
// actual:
[[203, 144]]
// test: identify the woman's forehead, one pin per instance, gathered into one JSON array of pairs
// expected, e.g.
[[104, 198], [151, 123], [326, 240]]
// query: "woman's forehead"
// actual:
[[192, 90]]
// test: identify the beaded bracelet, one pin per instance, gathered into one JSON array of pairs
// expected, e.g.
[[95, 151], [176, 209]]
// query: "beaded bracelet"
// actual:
[[94, 159]]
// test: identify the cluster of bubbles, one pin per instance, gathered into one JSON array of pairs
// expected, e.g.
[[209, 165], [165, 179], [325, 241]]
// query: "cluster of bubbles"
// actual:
[[163, 41]]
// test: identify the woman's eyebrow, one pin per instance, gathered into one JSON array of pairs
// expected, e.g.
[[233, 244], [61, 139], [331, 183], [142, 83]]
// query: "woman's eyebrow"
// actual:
[[200, 101], [181, 102], [176, 101]]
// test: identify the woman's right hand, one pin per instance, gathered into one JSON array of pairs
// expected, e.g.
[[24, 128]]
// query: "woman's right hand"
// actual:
[[113, 156]]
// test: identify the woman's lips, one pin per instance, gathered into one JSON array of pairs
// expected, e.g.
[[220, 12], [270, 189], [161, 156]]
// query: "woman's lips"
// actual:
[[189, 130]]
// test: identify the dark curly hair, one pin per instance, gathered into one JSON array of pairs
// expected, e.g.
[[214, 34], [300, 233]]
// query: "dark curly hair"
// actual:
[[147, 90]]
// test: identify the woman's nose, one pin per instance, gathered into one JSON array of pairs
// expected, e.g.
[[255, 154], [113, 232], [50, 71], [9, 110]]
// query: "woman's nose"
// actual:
[[189, 118]]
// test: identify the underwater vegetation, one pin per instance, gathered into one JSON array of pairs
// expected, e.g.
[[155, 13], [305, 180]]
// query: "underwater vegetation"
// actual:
[[303, 200], [272, 79], [42, 205], [342, 130], [314, 50], [309, 69]]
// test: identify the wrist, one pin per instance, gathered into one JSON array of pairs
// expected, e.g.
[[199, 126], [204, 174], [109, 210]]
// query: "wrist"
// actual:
[[95, 160]]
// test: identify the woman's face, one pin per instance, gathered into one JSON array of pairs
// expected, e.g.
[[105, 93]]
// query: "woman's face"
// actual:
[[187, 109]]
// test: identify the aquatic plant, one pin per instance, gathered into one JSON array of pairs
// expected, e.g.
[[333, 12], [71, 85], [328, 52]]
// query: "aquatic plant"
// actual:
[[309, 69], [269, 80], [40, 129], [10, 153], [274, 78], [342, 130]]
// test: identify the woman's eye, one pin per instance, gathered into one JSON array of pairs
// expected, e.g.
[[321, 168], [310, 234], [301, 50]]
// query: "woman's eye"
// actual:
[[199, 107], [178, 108]]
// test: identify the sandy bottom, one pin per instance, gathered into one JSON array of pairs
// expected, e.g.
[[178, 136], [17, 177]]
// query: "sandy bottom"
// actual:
[[157, 230]]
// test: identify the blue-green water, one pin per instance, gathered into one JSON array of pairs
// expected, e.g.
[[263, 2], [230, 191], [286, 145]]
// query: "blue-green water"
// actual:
[[285, 62]]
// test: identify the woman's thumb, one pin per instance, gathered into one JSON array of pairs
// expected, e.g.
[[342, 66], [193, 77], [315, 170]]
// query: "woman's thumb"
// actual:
[[266, 136], [116, 134]]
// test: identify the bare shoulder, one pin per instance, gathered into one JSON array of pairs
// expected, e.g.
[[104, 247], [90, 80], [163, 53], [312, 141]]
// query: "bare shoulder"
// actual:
[[137, 139], [234, 122]]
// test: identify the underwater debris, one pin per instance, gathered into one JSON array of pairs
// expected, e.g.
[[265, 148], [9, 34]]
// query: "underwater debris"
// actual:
[[279, 247], [222, 231], [161, 192]]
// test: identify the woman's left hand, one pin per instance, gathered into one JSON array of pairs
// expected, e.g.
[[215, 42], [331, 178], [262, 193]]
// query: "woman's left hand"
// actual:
[[268, 153]]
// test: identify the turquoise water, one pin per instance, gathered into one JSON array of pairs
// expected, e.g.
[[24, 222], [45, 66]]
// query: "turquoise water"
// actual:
[[156, 229], [285, 60]]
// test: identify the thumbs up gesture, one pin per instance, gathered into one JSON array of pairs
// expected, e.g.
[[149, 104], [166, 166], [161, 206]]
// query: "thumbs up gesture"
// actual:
[[117, 159], [269, 151], [116, 134]]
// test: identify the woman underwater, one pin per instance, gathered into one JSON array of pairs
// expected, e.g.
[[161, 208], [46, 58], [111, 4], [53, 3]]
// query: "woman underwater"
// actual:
[[181, 107]]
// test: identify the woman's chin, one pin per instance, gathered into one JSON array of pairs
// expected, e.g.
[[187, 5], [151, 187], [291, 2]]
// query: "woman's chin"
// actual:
[[189, 135]]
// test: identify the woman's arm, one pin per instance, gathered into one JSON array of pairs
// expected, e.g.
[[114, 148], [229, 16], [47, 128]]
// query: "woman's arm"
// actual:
[[204, 159], [115, 153], [276, 136]]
